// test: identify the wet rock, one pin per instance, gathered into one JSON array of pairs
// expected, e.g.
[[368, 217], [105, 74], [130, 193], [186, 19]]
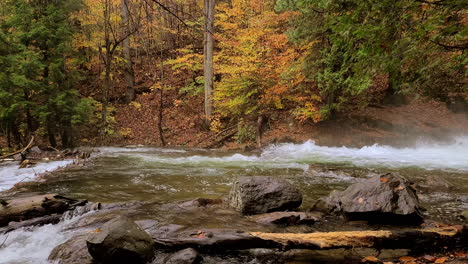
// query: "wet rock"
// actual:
[[212, 240], [327, 204], [388, 199], [435, 183], [81, 210], [35, 150], [186, 256], [464, 215], [150, 226], [287, 218], [463, 199], [257, 195], [166, 231], [73, 251], [200, 202], [120, 241]]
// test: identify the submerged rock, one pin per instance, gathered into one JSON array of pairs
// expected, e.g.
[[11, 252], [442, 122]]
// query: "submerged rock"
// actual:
[[388, 199], [121, 241], [257, 195], [186, 256], [288, 218]]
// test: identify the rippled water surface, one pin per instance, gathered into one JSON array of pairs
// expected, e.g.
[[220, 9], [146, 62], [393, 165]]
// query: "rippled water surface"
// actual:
[[160, 176]]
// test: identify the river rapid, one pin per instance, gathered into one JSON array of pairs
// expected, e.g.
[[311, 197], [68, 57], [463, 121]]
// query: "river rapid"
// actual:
[[158, 176]]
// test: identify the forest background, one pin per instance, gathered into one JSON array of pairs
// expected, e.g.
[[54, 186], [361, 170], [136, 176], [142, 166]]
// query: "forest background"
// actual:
[[203, 73]]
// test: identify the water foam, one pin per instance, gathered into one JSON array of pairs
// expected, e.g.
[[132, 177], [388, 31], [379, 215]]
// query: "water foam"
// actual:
[[10, 174], [430, 156], [453, 156]]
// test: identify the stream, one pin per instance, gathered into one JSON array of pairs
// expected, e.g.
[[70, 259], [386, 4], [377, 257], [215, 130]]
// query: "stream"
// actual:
[[159, 176]]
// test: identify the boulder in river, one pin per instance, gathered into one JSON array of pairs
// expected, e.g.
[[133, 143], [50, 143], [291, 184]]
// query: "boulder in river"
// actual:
[[120, 241], [257, 195], [388, 199]]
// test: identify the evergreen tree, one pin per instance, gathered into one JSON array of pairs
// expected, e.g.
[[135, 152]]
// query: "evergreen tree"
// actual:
[[353, 41], [36, 86]]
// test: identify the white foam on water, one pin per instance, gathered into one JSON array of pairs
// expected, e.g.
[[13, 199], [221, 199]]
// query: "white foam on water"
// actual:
[[451, 156], [10, 174], [32, 245]]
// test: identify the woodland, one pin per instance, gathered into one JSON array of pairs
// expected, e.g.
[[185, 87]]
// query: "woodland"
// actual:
[[69, 67]]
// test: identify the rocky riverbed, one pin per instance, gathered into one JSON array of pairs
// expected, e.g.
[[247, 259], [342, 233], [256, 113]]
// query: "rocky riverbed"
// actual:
[[289, 204]]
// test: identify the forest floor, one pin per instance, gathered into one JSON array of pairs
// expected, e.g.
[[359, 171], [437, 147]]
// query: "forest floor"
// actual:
[[183, 126], [397, 125]]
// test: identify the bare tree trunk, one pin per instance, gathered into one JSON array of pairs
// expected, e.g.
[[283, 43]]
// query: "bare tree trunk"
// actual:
[[161, 102], [128, 68], [208, 55]]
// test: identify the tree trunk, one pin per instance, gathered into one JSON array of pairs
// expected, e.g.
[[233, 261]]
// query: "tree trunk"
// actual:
[[128, 67], [51, 133], [161, 103], [208, 55], [67, 134]]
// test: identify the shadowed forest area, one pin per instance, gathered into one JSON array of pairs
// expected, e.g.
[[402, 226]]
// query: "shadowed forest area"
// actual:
[[206, 73]]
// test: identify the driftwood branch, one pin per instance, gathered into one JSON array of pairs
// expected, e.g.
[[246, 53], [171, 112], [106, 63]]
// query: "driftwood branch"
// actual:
[[22, 151]]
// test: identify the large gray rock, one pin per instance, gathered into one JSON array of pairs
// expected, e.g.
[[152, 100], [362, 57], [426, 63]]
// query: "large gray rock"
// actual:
[[121, 241], [257, 195], [386, 199]]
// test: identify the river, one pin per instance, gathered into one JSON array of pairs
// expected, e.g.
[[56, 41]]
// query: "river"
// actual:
[[159, 176]]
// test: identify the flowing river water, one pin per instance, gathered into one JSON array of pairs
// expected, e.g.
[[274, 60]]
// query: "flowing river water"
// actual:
[[158, 176]]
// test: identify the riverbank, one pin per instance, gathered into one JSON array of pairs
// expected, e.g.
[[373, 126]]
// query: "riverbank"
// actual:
[[386, 124]]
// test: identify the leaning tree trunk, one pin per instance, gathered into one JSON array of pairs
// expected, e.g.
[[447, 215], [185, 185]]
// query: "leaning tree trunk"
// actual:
[[208, 55]]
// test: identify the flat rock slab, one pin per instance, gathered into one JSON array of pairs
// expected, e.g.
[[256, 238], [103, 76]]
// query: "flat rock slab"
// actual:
[[287, 218], [212, 239]]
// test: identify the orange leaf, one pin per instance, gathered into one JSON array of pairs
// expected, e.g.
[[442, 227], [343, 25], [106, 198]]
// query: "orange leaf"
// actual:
[[441, 260], [407, 259], [383, 179], [370, 259]]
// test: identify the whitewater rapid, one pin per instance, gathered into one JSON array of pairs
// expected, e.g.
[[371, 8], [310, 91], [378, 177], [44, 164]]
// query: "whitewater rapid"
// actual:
[[429, 156], [11, 174]]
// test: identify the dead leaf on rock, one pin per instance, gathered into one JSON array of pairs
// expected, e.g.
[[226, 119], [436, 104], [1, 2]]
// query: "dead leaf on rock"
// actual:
[[383, 179], [370, 259], [407, 259], [441, 260]]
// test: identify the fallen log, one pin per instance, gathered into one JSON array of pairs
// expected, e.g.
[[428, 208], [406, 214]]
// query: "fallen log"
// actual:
[[413, 239], [39, 221], [26, 208], [416, 240]]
